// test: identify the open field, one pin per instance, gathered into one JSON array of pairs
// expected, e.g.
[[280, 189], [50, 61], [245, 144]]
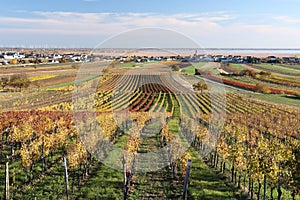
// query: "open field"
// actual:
[[238, 140], [278, 69]]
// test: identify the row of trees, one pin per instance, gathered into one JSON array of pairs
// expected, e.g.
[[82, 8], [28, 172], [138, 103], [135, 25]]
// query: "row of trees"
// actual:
[[17, 81]]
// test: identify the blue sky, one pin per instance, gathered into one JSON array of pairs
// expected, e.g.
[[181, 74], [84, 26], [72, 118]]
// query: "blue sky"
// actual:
[[210, 23]]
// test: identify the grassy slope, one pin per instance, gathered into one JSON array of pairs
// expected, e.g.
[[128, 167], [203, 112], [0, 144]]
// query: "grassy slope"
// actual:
[[104, 182], [71, 82], [206, 184], [280, 68], [190, 70], [279, 99], [239, 66], [272, 98]]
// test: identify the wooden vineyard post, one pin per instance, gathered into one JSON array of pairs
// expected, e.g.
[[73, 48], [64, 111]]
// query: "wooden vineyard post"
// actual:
[[43, 155], [186, 180], [66, 177], [6, 181], [265, 187], [125, 178]]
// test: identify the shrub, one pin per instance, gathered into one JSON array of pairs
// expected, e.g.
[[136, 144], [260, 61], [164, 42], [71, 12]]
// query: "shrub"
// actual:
[[248, 72], [175, 68], [262, 88], [263, 73], [297, 93], [19, 81], [201, 85], [4, 81]]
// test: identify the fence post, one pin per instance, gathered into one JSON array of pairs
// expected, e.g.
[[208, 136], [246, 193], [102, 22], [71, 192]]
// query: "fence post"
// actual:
[[186, 180]]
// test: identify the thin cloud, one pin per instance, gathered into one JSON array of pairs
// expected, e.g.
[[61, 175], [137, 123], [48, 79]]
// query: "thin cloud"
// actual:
[[287, 19], [208, 28]]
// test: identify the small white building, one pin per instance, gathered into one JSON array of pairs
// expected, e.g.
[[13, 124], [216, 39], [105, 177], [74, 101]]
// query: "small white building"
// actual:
[[56, 56], [10, 55]]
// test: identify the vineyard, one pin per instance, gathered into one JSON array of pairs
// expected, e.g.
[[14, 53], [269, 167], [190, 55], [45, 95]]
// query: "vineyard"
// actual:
[[276, 79], [130, 134]]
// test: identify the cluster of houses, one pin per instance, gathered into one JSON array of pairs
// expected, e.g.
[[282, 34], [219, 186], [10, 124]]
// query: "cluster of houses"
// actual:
[[139, 59], [210, 58], [243, 59], [13, 57]]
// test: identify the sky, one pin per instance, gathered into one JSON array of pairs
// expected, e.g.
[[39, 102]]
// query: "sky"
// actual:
[[209, 23]]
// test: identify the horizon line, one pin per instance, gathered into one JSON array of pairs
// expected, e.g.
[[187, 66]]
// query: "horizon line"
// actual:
[[145, 48]]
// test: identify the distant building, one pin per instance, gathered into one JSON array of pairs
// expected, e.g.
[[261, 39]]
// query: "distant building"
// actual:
[[13, 55]]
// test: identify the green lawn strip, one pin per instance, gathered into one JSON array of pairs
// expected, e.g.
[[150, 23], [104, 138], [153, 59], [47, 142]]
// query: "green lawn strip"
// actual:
[[155, 102], [173, 124], [205, 183], [276, 98], [210, 68], [105, 182], [199, 64], [70, 83], [269, 98], [239, 66], [164, 105], [158, 184], [279, 68], [292, 66], [159, 104], [125, 65], [190, 70], [149, 137]]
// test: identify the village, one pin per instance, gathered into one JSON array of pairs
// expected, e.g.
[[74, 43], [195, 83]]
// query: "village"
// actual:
[[24, 58]]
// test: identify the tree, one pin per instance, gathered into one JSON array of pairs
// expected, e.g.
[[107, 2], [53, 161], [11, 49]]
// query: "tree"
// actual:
[[175, 68], [248, 72], [201, 85], [262, 88], [36, 61], [4, 81], [19, 81], [13, 61], [63, 60], [264, 73], [105, 71]]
